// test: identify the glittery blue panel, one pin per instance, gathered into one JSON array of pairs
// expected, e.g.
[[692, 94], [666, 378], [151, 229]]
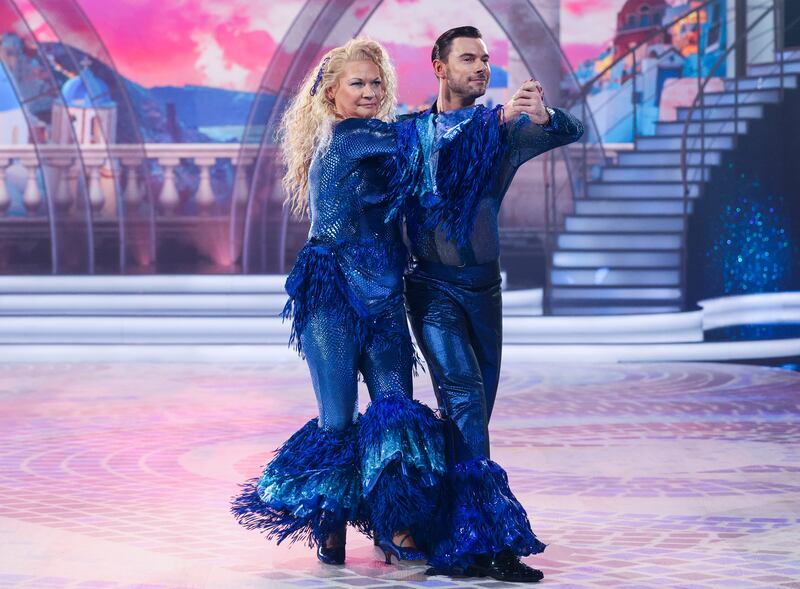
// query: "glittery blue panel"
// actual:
[[482, 516], [401, 447], [760, 331], [752, 247], [310, 489], [744, 235]]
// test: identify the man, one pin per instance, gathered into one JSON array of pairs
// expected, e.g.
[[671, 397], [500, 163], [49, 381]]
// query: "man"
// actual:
[[455, 309]]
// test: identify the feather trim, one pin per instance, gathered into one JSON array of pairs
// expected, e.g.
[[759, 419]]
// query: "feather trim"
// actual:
[[310, 489], [317, 280], [444, 165], [401, 453], [409, 179], [483, 517], [465, 172]]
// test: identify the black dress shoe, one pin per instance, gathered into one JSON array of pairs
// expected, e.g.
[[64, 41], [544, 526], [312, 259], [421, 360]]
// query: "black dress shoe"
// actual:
[[505, 566], [446, 572]]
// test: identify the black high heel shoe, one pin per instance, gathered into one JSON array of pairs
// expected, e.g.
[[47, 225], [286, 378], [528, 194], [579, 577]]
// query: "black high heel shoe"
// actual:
[[332, 555], [399, 552]]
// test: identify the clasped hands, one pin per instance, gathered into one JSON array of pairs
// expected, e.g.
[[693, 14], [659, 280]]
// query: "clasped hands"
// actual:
[[529, 99]]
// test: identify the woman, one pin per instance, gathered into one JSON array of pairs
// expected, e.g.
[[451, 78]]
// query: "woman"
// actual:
[[351, 169]]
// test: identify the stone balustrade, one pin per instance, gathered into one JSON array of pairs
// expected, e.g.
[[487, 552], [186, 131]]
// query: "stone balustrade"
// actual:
[[54, 169]]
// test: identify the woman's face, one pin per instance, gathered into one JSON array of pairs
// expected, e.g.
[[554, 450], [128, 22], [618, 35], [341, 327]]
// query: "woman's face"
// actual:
[[358, 92]]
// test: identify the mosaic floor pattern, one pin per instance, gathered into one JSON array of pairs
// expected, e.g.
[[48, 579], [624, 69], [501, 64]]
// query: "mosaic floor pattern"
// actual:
[[637, 476]]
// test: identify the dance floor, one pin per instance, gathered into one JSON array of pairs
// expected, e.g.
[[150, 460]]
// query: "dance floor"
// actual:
[[637, 476]]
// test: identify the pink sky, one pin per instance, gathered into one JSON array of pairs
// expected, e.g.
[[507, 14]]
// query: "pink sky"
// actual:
[[228, 43]]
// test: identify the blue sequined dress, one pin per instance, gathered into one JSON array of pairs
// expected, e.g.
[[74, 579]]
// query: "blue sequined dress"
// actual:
[[380, 471]]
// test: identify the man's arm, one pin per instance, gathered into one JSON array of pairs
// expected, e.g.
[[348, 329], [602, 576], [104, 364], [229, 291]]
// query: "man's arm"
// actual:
[[529, 139], [537, 128]]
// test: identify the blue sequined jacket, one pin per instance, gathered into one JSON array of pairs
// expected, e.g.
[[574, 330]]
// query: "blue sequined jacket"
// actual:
[[462, 228]]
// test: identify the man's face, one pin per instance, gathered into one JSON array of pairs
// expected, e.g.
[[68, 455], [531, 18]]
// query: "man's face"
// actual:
[[466, 71]]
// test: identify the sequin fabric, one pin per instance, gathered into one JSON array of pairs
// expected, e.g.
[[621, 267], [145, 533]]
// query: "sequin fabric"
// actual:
[[456, 314], [453, 292], [335, 359], [348, 205], [346, 287]]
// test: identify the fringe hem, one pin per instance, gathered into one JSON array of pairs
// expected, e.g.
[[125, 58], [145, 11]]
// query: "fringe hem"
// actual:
[[483, 518], [281, 522], [310, 489], [317, 281], [401, 446]]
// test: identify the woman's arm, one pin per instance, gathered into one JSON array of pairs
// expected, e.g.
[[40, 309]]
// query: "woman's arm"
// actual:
[[364, 138]]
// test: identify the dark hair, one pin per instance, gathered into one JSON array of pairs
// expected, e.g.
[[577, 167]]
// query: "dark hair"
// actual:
[[441, 49]]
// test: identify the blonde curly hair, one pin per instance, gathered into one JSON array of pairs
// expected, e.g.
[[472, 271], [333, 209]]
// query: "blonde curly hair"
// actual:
[[308, 121]]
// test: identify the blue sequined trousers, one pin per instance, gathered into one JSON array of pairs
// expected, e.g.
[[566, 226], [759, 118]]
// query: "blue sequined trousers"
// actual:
[[455, 309], [457, 320], [381, 471]]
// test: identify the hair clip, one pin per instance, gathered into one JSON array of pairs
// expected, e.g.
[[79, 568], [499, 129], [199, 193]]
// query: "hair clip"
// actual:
[[320, 73]]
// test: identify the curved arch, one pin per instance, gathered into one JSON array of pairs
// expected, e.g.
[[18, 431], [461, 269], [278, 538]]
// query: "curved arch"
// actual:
[[522, 23], [324, 23], [136, 218], [65, 52], [65, 228]]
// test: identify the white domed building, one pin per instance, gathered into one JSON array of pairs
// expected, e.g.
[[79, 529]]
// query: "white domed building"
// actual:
[[93, 116], [89, 108]]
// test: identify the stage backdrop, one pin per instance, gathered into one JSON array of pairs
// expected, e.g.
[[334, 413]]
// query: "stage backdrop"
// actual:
[[136, 137]]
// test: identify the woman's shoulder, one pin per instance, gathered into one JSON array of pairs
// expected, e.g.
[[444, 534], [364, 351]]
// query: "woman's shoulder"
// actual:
[[355, 125]]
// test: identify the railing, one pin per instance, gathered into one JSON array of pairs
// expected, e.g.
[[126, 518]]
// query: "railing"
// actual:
[[569, 171], [699, 104], [193, 185], [636, 71], [585, 160], [168, 157]]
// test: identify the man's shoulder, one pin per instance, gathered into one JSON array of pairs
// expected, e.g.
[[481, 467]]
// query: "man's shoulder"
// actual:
[[418, 113]]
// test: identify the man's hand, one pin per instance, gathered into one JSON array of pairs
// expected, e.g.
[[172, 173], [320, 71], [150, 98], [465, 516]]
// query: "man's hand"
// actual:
[[528, 99]]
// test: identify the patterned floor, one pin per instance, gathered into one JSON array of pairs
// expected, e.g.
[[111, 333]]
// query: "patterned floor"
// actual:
[[637, 476]]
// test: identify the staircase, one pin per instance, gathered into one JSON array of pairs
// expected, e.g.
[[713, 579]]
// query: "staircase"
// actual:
[[620, 252]]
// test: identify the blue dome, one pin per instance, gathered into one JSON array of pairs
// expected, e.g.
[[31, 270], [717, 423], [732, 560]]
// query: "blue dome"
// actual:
[[86, 90], [8, 98], [12, 42]]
